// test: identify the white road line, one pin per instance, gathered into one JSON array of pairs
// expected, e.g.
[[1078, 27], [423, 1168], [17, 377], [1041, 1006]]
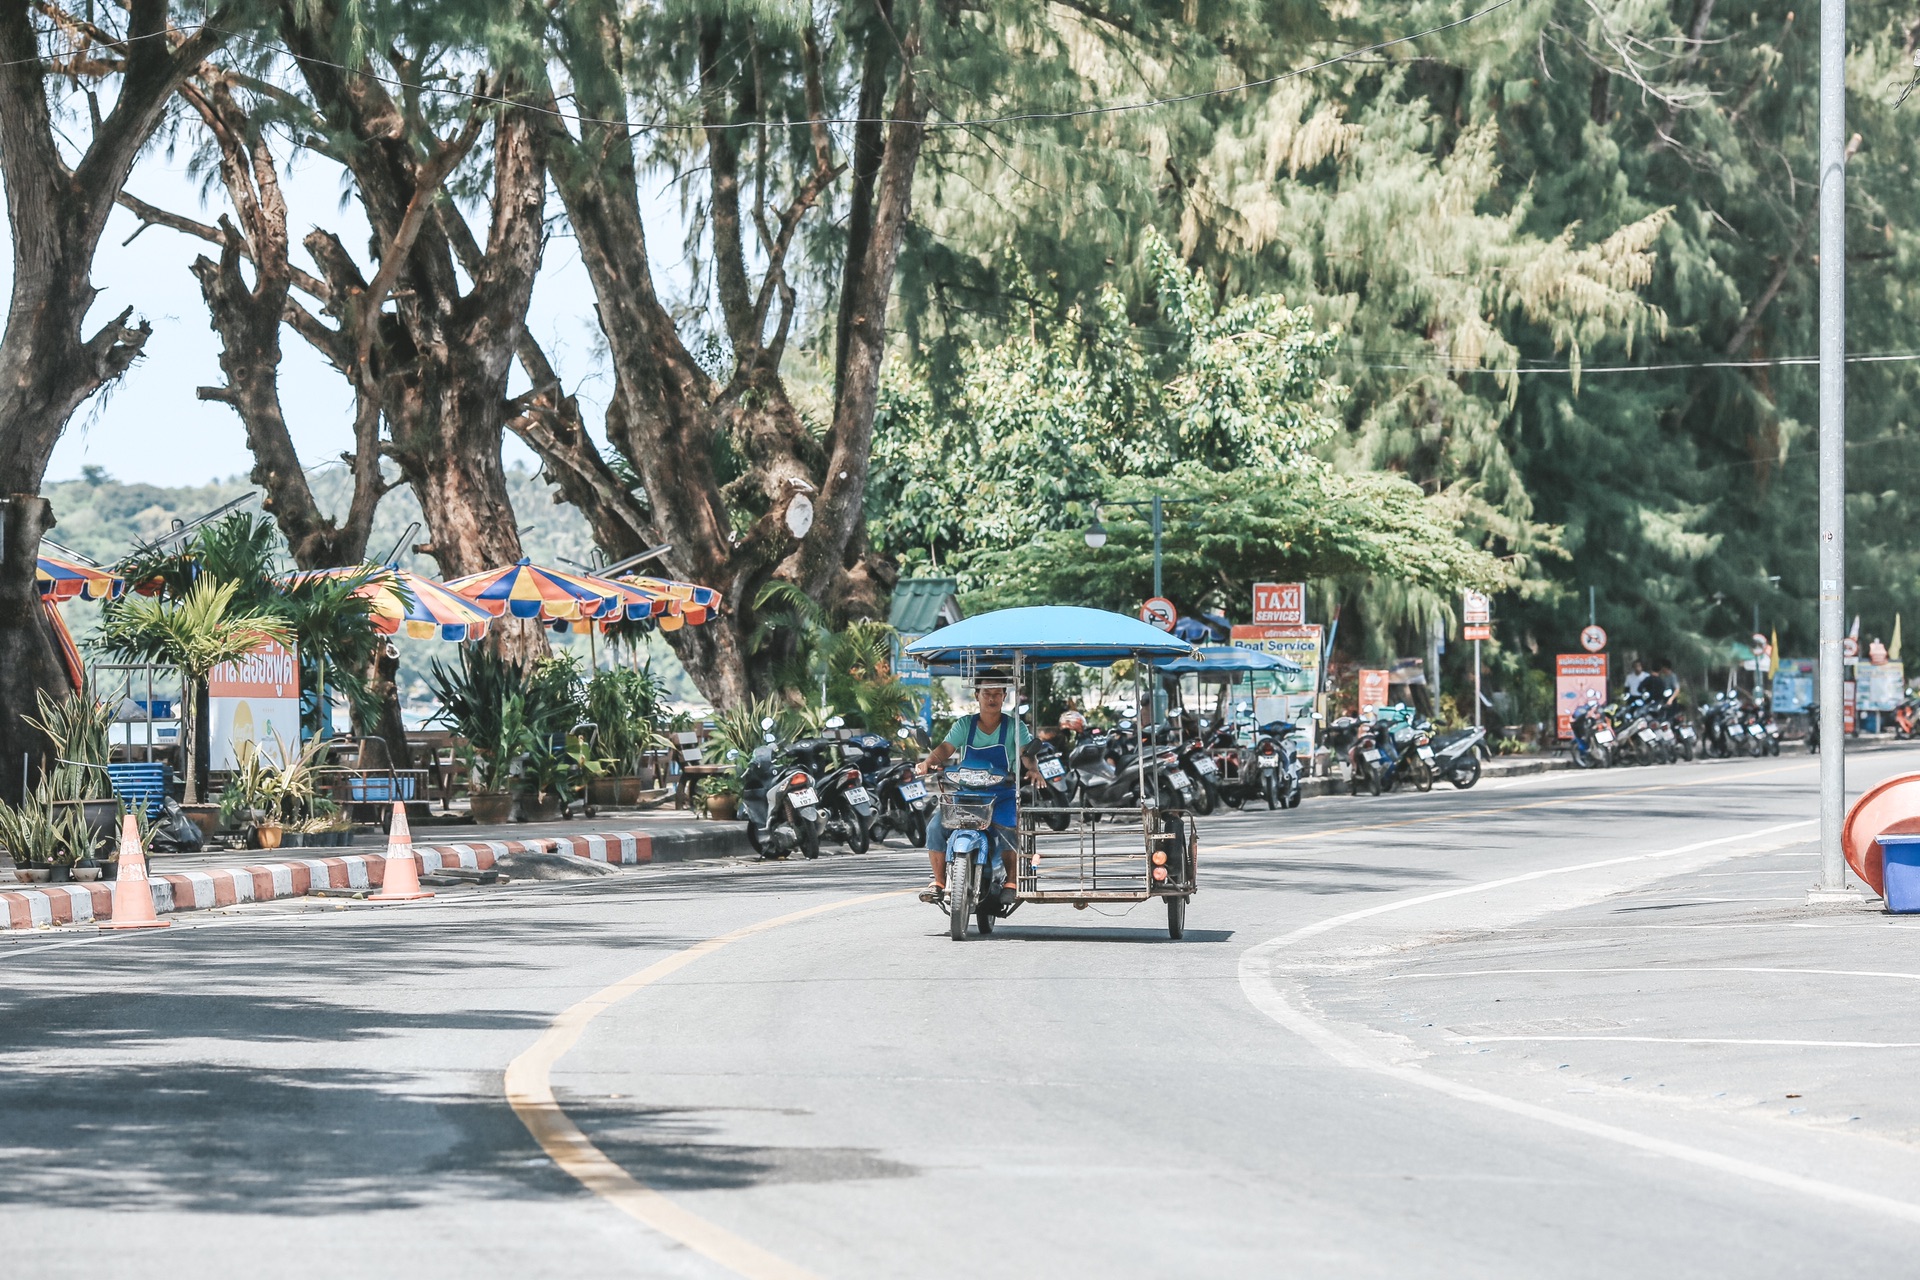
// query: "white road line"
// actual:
[[1256, 981], [1790, 1044], [1665, 968]]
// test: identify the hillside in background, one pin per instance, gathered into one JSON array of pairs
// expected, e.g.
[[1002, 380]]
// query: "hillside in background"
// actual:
[[103, 517]]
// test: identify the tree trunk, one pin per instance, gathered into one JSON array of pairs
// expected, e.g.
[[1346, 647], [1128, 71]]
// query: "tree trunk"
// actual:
[[48, 364], [28, 662], [803, 504]]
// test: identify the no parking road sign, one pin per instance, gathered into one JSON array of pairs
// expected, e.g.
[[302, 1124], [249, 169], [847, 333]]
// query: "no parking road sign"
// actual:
[[1593, 639], [1159, 612]]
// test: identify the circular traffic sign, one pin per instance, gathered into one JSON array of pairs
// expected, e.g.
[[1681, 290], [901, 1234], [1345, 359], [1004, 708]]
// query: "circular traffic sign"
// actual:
[[1159, 612], [1593, 639], [1850, 647]]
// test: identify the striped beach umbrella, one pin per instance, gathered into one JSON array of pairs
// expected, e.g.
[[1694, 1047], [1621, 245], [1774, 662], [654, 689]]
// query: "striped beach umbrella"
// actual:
[[412, 604], [62, 579], [528, 590], [674, 604]]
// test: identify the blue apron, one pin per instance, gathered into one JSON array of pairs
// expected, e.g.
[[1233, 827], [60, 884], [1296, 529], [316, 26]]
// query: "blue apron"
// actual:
[[994, 758]]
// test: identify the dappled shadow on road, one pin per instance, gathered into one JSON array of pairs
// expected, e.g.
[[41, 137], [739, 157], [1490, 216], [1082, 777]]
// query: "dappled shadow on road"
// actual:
[[675, 1149], [197, 1137]]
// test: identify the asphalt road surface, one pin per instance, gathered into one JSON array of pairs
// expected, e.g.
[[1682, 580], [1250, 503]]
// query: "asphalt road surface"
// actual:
[[1568, 1025]]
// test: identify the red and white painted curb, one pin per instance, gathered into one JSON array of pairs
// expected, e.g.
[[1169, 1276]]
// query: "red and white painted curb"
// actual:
[[43, 906]]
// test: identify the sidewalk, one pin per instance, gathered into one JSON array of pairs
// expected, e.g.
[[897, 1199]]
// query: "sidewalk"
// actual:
[[197, 882]]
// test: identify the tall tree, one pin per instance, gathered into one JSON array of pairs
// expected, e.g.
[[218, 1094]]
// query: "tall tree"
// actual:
[[53, 67], [717, 461]]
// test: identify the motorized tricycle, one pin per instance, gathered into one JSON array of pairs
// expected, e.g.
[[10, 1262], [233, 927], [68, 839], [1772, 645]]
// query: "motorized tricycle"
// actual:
[[1142, 852]]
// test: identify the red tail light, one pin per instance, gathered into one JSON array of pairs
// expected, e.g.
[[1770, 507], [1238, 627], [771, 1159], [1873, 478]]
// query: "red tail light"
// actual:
[[798, 780], [851, 777]]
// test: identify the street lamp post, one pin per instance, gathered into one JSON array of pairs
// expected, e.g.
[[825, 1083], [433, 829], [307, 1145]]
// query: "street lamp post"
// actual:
[[1096, 535], [1833, 415]]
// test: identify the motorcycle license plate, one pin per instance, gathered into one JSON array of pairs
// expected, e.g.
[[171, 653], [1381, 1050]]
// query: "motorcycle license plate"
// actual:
[[1269, 765], [1052, 769], [1370, 756], [913, 791], [804, 798], [858, 795], [1603, 736], [1426, 753], [1206, 766]]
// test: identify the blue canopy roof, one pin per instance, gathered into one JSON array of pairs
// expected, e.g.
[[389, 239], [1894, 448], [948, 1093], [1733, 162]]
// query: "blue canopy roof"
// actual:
[[1047, 634], [1227, 658]]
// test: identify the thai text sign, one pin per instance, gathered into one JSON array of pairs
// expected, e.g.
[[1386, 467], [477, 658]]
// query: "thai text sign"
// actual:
[[1373, 689], [257, 700], [1579, 679]]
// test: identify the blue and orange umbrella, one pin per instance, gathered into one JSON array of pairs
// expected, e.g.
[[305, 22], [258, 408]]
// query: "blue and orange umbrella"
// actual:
[[408, 602], [673, 604], [62, 579], [528, 590]]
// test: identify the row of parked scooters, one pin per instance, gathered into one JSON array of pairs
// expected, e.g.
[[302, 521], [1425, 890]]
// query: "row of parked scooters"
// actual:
[[1649, 728], [852, 789], [1397, 747]]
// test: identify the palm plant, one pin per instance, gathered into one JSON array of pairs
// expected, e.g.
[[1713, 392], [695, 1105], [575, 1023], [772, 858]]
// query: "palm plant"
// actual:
[[196, 633], [333, 622]]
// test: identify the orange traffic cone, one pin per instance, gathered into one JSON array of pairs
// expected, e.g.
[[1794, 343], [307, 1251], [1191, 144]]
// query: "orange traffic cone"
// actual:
[[401, 880], [133, 892]]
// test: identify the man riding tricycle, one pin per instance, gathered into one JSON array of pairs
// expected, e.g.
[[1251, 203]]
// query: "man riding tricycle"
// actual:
[[987, 853]]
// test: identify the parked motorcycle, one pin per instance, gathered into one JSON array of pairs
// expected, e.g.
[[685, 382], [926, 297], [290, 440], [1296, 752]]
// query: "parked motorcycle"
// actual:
[[900, 803], [1593, 738], [1456, 756], [781, 802], [1278, 765], [1102, 770], [846, 806], [1052, 801]]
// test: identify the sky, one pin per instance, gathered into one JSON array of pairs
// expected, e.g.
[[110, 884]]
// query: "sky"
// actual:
[[151, 427]]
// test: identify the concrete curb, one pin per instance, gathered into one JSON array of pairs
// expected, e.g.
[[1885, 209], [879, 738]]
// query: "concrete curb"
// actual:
[[1498, 767], [43, 906]]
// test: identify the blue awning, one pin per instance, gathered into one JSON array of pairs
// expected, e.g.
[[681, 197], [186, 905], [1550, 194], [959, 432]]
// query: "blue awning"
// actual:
[[1046, 634], [1230, 659]]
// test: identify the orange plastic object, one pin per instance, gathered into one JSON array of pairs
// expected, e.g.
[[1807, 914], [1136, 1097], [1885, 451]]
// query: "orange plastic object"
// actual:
[[132, 891], [400, 879], [1884, 804]]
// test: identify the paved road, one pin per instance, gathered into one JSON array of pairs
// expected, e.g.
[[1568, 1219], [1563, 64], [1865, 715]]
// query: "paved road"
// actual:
[[1577, 1025]]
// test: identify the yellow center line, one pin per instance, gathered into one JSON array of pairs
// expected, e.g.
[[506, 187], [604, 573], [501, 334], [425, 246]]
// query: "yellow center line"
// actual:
[[529, 1090], [1457, 814]]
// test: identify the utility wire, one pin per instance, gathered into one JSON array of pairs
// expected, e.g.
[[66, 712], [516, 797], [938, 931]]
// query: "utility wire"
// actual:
[[1023, 117], [1440, 366]]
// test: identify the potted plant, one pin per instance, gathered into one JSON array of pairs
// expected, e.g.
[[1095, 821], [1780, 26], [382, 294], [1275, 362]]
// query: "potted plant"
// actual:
[[722, 795]]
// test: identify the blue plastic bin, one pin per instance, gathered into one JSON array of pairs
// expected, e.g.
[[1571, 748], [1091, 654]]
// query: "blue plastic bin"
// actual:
[[380, 790], [1900, 881]]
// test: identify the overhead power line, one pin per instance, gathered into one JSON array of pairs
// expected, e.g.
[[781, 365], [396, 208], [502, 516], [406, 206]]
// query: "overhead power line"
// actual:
[[1440, 365], [982, 122]]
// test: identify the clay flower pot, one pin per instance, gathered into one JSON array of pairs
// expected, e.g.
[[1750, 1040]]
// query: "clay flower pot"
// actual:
[[724, 807]]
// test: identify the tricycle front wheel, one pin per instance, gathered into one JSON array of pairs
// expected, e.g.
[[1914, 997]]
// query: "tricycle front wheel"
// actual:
[[959, 896], [1176, 918]]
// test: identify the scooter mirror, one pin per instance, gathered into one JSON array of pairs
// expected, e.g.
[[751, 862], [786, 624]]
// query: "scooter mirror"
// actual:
[[905, 732], [836, 722], [1022, 709], [766, 722], [766, 737], [733, 755]]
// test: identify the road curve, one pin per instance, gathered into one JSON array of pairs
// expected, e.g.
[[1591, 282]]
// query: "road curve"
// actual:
[[848, 1093]]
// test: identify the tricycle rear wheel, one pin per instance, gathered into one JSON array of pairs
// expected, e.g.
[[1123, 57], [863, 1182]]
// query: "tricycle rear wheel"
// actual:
[[1176, 918]]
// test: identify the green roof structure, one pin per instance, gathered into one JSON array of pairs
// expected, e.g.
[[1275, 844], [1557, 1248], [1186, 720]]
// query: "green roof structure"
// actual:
[[923, 605]]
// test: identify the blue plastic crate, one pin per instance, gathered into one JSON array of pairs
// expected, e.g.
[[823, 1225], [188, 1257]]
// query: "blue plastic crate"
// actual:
[[143, 786], [380, 790], [1900, 873]]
